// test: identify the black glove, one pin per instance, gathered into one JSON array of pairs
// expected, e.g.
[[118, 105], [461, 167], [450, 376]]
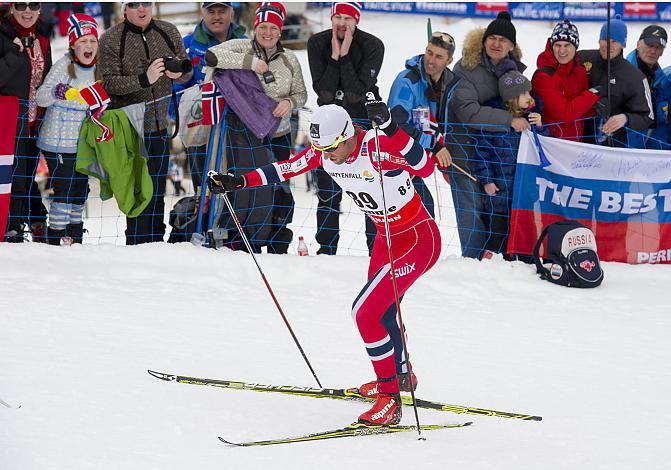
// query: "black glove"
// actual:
[[220, 183], [379, 115], [601, 108], [437, 146]]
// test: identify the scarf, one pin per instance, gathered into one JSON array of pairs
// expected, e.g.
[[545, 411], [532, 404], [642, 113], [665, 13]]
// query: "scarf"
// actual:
[[38, 62]]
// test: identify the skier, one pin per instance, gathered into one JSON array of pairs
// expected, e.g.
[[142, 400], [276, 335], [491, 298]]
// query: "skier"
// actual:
[[349, 155]]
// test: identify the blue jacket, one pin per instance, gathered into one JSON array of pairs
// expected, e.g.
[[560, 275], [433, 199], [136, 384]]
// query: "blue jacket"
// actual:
[[411, 89], [495, 161], [660, 92]]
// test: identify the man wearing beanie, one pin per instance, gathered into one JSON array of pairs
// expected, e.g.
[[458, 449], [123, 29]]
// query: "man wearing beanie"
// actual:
[[560, 82], [478, 86], [630, 101], [131, 62], [344, 63], [649, 49]]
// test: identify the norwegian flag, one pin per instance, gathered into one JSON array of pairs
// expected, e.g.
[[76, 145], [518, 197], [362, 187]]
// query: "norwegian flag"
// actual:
[[98, 100], [213, 104], [9, 108]]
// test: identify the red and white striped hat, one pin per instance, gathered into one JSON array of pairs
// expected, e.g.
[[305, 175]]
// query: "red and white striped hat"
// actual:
[[352, 9], [80, 25], [270, 12]]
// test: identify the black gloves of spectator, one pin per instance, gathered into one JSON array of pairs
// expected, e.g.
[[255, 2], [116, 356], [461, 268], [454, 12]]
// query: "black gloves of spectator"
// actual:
[[220, 183], [379, 116], [601, 108]]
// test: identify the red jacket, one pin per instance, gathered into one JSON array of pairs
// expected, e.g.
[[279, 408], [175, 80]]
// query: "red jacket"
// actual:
[[562, 90]]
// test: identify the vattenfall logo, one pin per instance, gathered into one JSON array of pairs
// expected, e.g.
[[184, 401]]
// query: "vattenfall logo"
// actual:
[[368, 176], [354, 176]]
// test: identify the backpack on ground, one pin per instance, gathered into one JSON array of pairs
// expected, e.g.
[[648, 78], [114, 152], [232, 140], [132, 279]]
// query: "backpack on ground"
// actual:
[[571, 254], [183, 219]]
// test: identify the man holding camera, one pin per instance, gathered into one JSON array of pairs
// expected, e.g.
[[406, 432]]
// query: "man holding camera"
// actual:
[[139, 59]]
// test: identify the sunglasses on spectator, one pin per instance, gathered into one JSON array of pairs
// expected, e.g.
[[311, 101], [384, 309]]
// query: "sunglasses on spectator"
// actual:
[[445, 38], [136, 5], [33, 6]]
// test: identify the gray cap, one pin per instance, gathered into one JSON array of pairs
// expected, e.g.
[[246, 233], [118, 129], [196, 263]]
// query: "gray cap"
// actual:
[[512, 84]]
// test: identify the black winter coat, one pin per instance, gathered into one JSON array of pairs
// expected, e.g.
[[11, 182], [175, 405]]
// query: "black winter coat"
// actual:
[[629, 91], [15, 65], [346, 81]]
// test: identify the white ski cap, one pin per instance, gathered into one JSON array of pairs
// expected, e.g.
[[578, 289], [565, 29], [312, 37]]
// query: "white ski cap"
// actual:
[[329, 126]]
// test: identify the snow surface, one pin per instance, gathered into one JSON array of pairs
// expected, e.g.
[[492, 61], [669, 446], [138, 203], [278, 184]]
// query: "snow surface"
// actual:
[[79, 326]]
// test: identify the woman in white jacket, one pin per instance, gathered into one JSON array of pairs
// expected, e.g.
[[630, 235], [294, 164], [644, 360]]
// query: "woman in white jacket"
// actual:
[[281, 77], [59, 134]]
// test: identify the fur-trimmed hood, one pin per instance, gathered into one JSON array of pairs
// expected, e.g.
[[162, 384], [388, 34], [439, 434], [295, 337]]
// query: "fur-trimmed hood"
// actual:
[[471, 55]]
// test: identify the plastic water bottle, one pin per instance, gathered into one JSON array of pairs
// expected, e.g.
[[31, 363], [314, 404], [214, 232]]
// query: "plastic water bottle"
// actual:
[[302, 247]]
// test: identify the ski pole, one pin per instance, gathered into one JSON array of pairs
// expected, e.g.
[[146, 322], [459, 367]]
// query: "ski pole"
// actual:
[[243, 235], [470, 176], [393, 280]]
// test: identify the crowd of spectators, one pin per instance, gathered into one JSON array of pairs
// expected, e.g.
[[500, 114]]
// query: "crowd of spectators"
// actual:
[[469, 115]]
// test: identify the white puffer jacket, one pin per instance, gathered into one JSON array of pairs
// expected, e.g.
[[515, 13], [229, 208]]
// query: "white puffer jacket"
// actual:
[[59, 132]]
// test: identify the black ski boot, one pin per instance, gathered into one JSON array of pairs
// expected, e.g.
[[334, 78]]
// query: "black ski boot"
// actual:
[[76, 232], [54, 236]]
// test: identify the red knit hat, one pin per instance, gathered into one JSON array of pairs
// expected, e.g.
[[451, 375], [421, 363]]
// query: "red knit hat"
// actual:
[[270, 12], [352, 9], [80, 25], [275, 6]]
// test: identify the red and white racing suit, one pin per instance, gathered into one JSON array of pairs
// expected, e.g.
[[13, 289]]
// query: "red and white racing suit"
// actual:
[[414, 234]]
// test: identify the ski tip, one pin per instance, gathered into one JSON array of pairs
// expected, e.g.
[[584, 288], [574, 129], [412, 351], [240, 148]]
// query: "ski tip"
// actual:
[[161, 375], [468, 423], [235, 444]]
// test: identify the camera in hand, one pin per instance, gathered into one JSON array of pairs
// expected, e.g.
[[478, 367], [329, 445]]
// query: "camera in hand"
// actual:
[[177, 65], [28, 41], [268, 77]]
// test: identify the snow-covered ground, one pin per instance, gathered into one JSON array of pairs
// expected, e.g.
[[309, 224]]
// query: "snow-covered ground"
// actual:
[[79, 326]]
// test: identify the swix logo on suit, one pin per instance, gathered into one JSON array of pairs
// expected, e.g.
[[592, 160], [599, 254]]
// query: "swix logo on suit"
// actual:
[[403, 270]]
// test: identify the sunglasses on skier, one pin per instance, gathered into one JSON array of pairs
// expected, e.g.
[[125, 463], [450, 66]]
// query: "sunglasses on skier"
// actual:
[[32, 6], [335, 143], [331, 147]]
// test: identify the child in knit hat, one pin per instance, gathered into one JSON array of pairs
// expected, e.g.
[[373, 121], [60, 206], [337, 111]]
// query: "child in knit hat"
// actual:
[[59, 134], [496, 154]]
